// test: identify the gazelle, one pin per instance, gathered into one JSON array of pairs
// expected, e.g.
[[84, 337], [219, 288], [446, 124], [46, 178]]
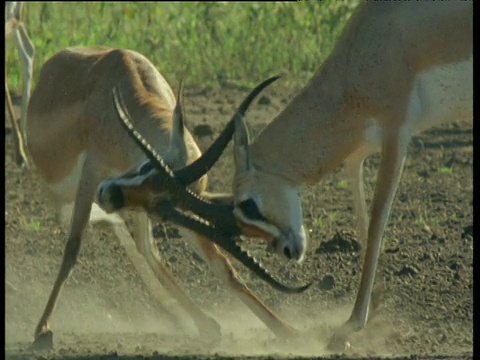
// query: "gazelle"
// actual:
[[75, 141], [397, 69], [15, 28]]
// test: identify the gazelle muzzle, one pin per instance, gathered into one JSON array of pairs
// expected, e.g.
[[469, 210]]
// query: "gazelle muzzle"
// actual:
[[110, 197]]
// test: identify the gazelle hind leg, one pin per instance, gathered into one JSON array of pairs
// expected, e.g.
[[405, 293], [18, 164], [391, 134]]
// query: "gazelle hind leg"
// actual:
[[81, 213], [206, 325], [389, 174], [224, 270]]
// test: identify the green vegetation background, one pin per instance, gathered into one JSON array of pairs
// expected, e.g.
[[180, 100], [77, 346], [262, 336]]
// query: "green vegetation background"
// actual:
[[208, 43]]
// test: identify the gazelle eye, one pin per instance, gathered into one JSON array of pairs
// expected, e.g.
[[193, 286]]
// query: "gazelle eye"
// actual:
[[146, 168], [250, 210]]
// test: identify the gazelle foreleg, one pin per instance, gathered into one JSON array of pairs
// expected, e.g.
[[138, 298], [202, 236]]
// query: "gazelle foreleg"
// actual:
[[389, 174], [88, 183], [127, 241], [224, 270], [354, 171]]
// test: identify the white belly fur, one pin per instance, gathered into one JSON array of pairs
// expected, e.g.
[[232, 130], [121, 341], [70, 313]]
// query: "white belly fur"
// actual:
[[440, 95], [66, 190]]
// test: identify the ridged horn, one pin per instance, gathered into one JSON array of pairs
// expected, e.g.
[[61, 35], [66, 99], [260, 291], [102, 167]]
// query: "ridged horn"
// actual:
[[166, 181], [199, 167], [180, 196], [167, 211]]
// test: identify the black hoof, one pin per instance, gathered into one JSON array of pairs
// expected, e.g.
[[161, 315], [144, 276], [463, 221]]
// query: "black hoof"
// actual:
[[21, 163], [43, 341]]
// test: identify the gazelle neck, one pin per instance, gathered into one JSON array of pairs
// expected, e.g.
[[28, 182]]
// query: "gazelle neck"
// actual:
[[366, 76], [313, 134]]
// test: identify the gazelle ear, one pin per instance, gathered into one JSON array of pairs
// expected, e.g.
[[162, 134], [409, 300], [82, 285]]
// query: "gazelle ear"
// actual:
[[177, 140], [241, 143]]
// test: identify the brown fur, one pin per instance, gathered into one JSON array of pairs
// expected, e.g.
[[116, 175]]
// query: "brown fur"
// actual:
[[369, 73], [72, 113]]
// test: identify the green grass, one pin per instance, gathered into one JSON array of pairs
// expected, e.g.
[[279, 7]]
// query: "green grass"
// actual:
[[445, 170], [209, 43], [323, 220], [342, 184], [35, 225]]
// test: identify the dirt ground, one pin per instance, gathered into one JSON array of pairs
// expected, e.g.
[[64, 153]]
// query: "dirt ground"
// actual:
[[105, 310]]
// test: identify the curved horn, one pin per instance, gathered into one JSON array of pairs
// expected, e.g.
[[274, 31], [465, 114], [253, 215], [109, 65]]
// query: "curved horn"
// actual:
[[178, 111], [175, 182], [148, 150], [165, 180], [199, 167], [215, 214], [166, 210]]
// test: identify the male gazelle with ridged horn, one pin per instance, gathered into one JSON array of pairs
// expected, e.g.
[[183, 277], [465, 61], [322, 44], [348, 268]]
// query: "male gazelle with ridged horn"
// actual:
[[75, 141], [15, 28], [397, 69]]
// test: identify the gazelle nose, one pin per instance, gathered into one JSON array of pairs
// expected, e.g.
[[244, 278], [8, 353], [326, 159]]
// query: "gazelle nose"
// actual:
[[293, 251], [116, 196], [110, 197]]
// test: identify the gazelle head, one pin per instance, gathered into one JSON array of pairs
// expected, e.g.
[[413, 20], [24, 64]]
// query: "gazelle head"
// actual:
[[141, 185], [154, 187], [153, 181], [266, 202]]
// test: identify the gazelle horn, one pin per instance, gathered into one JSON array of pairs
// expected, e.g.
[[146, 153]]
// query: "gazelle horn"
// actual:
[[179, 195]]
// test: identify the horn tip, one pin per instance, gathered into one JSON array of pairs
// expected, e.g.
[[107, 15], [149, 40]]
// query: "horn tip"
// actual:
[[300, 289]]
